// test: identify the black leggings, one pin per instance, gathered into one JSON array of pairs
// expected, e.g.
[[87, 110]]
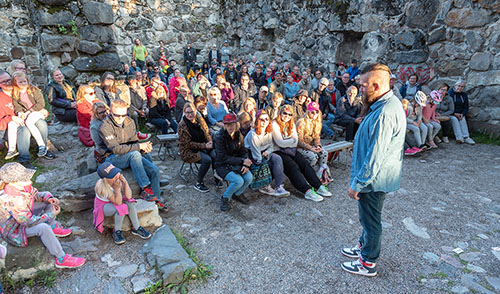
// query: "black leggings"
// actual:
[[299, 171], [446, 128], [69, 115], [207, 158]]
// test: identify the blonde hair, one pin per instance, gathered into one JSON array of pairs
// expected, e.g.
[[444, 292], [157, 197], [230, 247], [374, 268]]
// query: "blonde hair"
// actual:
[[15, 91], [81, 92], [249, 100], [12, 66], [103, 189], [311, 127], [118, 103]]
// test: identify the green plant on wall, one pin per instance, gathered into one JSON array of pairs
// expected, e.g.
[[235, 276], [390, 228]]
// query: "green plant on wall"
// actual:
[[72, 27], [62, 29]]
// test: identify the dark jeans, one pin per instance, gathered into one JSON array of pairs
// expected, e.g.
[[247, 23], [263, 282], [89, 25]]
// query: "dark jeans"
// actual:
[[140, 64], [69, 115], [299, 171], [207, 157], [446, 128], [23, 139], [163, 125], [189, 65], [350, 128], [370, 216]]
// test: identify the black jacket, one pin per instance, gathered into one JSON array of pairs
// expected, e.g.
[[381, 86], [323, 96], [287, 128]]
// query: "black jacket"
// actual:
[[57, 97], [211, 57], [159, 109], [259, 80], [323, 99], [190, 54], [346, 111], [230, 153]]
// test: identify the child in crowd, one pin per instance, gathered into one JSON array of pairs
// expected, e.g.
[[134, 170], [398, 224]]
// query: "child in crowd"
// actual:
[[429, 118], [113, 197], [27, 212], [414, 122]]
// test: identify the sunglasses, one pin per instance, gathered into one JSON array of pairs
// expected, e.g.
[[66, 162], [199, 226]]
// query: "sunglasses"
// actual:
[[264, 119], [102, 112], [90, 93], [119, 115], [287, 113]]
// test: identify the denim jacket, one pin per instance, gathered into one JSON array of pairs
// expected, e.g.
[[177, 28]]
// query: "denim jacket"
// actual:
[[378, 147]]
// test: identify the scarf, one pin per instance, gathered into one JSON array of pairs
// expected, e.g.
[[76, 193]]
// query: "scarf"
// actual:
[[197, 134]]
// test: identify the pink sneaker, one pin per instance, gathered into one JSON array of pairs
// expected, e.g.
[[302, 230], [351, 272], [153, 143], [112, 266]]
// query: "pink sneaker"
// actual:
[[417, 150], [410, 151], [70, 262], [143, 136], [432, 144], [59, 231]]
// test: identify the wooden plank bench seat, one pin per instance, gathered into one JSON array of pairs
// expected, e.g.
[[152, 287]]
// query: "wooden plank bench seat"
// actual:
[[166, 141], [337, 147]]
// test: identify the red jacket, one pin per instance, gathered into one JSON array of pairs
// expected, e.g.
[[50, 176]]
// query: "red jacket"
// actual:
[[150, 89], [296, 77], [6, 110]]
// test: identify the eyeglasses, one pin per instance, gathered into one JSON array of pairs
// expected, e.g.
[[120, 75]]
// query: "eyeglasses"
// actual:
[[9, 81], [287, 113], [264, 119], [188, 112], [119, 115], [102, 112], [20, 68]]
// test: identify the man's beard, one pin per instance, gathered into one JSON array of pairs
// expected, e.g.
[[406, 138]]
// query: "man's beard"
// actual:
[[369, 98]]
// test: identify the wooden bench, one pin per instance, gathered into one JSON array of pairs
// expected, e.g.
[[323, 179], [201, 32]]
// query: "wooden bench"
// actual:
[[167, 141], [337, 147]]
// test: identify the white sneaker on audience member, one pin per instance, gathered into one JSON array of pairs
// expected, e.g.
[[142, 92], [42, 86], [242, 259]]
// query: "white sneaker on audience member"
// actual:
[[267, 190], [469, 140]]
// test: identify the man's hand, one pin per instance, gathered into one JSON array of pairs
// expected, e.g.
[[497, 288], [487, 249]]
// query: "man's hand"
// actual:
[[247, 162], [353, 194], [209, 145], [45, 112], [358, 120], [146, 146], [265, 154], [53, 201]]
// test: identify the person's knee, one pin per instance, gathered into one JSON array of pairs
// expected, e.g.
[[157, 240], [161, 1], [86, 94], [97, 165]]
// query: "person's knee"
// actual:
[[237, 181], [135, 156], [44, 229]]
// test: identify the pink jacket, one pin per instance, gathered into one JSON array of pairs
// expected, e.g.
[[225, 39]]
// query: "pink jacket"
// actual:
[[429, 112], [99, 214]]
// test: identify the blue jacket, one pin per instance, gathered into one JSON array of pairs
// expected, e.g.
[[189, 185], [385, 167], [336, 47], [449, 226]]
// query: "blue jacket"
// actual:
[[404, 87], [460, 100], [291, 90], [378, 147], [353, 72]]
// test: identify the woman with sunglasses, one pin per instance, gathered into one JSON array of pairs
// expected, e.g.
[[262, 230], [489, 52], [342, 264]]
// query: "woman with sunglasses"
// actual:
[[296, 167], [99, 112], [309, 131], [260, 143], [62, 96], [85, 98]]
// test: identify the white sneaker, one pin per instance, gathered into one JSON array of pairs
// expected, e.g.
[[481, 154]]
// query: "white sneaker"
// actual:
[[445, 140], [267, 190], [311, 195], [281, 192], [323, 191], [437, 140], [469, 141], [459, 141]]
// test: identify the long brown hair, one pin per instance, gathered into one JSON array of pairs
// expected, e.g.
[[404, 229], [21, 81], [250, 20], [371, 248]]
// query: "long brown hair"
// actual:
[[258, 130], [80, 94], [111, 89], [285, 128], [96, 106]]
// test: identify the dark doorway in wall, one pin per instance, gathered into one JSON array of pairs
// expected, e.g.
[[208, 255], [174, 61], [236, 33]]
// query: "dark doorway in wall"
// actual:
[[349, 48], [268, 38]]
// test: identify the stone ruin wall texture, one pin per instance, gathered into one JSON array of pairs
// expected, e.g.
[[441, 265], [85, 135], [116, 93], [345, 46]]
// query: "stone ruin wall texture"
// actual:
[[442, 41]]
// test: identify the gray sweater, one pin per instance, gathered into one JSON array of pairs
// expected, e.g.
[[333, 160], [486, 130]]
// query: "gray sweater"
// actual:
[[259, 144], [446, 107]]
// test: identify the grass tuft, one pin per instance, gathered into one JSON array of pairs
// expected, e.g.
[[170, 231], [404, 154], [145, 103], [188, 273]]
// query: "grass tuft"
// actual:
[[482, 138]]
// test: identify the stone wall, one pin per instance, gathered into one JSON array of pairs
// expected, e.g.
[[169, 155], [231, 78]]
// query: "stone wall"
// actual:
[[440, 40]]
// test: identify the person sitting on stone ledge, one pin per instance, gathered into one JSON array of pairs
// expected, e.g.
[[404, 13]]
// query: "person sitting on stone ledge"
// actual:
[[183, 97], [458, 121], [348, 113], [16, 65], [31, 213], [160, 111], [274, 108], [61, 94], [232, 162], [261, 98], [321, 97], [85, 98], [9, 121], [410, 88], [29, 105], [394, 88], [291, 89], [277, 85], [226, 91], [443, 111], [108, 90], [113, 197], [119, 134], [174, 84], [342, 84], [317, 76], [99, 112], [216, 109], [133, 67], [201, 87], [243, 70], [300, 105], [305, 82], [353, 71], [258, 77], [138, 99], [241, 92], [249, 106]]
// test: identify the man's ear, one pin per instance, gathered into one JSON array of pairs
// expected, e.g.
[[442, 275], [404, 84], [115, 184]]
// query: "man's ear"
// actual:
[[376, 86]]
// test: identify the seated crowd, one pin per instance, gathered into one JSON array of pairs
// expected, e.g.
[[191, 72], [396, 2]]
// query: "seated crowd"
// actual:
[[251, 124]]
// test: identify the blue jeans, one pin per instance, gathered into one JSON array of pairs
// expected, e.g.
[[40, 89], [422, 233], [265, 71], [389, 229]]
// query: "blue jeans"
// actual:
[[145, 172], [163, 125], [237, 183], [370, 216], [24, 136], [326, 123]]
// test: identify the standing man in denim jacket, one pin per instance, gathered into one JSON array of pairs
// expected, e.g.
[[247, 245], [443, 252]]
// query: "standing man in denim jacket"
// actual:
[[376, 164]]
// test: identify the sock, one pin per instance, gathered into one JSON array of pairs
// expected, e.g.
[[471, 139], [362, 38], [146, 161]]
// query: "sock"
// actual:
[[53, 226], [60, 259]]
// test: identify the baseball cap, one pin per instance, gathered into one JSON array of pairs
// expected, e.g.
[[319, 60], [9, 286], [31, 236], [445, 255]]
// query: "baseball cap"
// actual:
[[313, 106], [230, 118], [107, 170], [302, 92], [15, 172], [264, 88]]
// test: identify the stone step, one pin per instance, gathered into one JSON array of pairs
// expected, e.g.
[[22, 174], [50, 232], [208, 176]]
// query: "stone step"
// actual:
[[147, 213]]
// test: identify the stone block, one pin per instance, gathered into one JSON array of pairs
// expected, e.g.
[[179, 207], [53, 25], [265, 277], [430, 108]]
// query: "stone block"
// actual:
[[98, 13], [96, 33], [54, 2], [272, 23], [57, 43], [24, 262], [167, 254], [89, 47], [481, 79], [17, 52], [102, 62], [437, 35], [421, 14], [65, 58], [146, 211], [78, 194], [46, 18], [467, 18], [412, 56], [143, 23], [480, 61]]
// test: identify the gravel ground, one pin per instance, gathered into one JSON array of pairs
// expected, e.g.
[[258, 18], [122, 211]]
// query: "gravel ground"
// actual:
[[448, 198]]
